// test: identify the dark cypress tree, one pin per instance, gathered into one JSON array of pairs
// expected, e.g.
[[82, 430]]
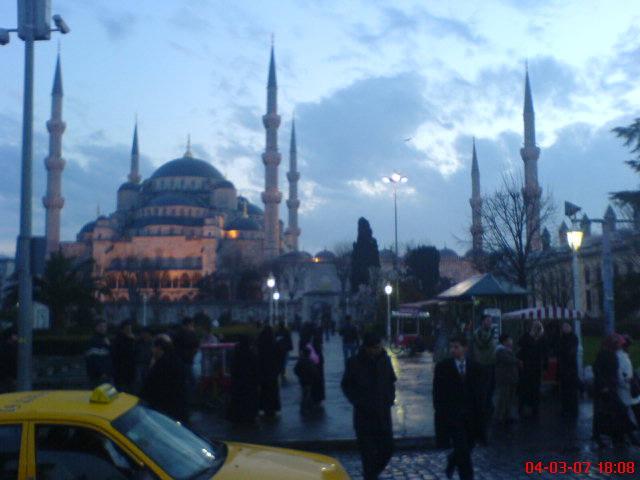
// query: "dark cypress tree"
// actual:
[[364, 256]]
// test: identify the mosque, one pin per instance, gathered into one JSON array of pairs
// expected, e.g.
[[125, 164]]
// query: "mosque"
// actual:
[[178, 225]]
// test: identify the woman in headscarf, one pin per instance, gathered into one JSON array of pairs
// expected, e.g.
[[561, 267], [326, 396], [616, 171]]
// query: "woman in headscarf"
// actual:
[[610, 416]]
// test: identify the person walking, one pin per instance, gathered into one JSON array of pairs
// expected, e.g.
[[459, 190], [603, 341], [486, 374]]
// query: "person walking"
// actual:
[[458, 405], [269, 368], [284, 345], [369, 384], [98, 356], [350, 339], [166, 387], [243, 406], [610, 416], [534, 354], [484, 351], [507, 367], [625, 394], [123, 352], [306, 371], [567, 374]]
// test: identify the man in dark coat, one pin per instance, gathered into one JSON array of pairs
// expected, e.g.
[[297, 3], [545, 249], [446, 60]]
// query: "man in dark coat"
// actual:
[[458, 405], [123, 353], [567, 375], [98, 356], [166, 388], [369, 384], [534, 353]]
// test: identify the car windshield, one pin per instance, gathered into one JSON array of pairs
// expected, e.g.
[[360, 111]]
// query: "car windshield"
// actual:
[[176, 449]]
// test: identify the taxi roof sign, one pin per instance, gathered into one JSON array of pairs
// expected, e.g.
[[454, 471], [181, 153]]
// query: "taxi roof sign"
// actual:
[[104, 393]]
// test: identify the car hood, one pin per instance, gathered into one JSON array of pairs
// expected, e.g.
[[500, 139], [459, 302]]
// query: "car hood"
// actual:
[[246, 461]]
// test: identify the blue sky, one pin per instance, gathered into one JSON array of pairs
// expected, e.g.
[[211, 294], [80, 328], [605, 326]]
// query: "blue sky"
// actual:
[[360, 77]]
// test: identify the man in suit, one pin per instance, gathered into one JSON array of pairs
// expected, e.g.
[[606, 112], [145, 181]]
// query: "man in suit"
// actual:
[[369, 384], [458, 405]]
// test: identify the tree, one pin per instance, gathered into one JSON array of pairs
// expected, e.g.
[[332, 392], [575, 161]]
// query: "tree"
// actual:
[[365, 255], [423, 269], [67, 284], [631, 136], [507, 241]]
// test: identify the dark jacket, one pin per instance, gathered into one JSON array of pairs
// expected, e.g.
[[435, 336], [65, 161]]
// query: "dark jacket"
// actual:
[[165, 388], [458, 403], [507, 366], [369, 384], [99, 362], [123, 352], [306, 371], [566, 352]]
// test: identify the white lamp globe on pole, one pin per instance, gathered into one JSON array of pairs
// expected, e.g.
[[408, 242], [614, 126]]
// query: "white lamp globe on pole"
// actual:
[[388, 290]]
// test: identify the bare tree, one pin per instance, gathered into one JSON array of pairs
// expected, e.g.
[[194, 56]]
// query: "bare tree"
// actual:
[[507, 241]]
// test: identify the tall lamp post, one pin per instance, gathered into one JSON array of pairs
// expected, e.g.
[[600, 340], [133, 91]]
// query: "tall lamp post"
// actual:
[[574, 238], [271, 283], [34, 23], [276, 297], [395, 179], [608, 225], [388, 289]]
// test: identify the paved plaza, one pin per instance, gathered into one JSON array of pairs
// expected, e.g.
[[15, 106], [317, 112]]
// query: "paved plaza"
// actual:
[[547, 438]]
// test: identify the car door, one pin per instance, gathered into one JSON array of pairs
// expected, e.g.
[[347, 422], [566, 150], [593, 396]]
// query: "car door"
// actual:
[[12, 453], [65, 451]]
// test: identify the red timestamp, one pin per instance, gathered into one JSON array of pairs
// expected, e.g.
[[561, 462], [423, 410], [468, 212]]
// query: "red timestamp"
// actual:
[[579, 467]]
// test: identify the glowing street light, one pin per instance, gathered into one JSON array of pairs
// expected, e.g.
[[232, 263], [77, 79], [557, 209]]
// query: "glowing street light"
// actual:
[[388, 290], [276, 297], [271, 283]]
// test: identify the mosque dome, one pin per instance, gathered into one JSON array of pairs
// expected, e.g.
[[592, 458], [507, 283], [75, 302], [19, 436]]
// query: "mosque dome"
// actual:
[[173, 199], [448, 253], [294, 257], [187, 166], [251, 208], [244, 224], [325, 256], [223, 184], [87, 228], [128, 186]]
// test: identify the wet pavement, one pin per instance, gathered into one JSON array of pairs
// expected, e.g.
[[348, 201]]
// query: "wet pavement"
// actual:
[[546, 438]]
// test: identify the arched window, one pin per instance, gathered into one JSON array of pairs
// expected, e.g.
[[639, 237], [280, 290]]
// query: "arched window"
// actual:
[[184, 281]]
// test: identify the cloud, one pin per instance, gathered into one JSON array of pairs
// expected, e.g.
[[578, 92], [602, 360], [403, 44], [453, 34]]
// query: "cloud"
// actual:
[[117, 24]]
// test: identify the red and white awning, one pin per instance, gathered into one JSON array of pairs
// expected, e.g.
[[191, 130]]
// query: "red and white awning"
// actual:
[[544, 313]]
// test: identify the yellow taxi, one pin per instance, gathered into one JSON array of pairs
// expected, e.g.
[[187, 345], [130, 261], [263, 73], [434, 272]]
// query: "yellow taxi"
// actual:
[[106, 435]]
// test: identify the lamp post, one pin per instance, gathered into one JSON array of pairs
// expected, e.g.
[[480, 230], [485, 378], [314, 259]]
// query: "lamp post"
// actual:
[[388, 289], [574, 238], [608, 225], [395, 179], [276, 297], [271, 283], [33, 24]]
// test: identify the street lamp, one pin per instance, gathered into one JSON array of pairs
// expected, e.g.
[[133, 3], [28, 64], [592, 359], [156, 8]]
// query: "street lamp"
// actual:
[[574, 238], [395, 179], [271, 283], [388, 289], [33, 24], [608, 225], [276, 297]]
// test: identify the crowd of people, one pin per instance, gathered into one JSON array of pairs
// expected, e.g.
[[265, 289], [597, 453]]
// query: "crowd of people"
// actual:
[[482, 377]]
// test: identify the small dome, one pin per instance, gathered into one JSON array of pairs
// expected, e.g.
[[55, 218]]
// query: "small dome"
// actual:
[[172, 199], [128, 186], [187, 166], [244, 224], [223, 184], [251, 208], [293, 257], [87, 228], [325, 256], [448, 253]]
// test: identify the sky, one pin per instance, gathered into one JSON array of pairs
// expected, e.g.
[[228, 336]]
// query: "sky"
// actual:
[[375, 87]]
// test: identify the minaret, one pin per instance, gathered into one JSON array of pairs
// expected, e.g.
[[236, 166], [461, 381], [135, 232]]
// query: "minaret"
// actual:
[[476, 204], [530, 154], [134, 175], [293, 231], [271, 158], [53, 201]]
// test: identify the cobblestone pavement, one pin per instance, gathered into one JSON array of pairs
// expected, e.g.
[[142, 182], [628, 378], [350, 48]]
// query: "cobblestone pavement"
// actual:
[[504, 462]]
